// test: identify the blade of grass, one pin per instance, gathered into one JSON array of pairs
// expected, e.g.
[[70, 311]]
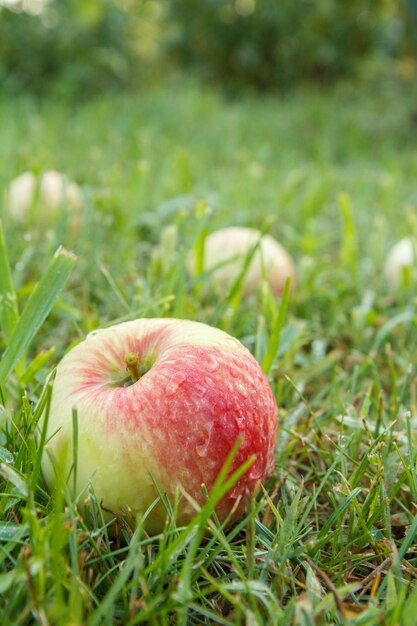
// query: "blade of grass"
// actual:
[[106, 605], [349, 245], [75, 447], [37, 309], [410, 609], [116, 290], [221, 486], [408, 539], [273, 345], [235, 290], [202, 213], [337, 514], [36, 365], [9, 313], [42, 408]]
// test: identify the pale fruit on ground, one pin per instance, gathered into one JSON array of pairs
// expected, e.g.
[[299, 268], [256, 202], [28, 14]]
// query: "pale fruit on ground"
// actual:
[[48, 193], [402, 255], [228, 247], [20, 195], [198, 391]]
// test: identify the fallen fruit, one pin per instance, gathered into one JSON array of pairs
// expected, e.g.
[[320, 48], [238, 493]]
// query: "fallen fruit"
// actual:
[[46, 193], [160, 401], [401, 256], [225, 251]]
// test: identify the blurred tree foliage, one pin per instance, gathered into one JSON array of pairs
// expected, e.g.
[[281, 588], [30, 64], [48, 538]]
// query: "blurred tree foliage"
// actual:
[[81, 47], [65, 46], [267, 44]]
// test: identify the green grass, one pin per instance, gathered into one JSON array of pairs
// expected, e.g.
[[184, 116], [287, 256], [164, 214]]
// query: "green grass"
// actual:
[[332, 538]]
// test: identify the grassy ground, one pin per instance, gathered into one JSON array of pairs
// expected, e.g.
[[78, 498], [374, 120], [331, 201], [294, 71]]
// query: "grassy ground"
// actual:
[[332, 540]]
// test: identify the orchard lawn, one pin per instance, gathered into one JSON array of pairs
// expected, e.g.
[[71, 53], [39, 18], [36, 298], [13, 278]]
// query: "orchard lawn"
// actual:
[[331, 539]]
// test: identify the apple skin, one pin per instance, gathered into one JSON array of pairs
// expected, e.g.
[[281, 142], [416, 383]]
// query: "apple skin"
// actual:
[[49, 191], [229, 247], [176, 425], [401, 255]]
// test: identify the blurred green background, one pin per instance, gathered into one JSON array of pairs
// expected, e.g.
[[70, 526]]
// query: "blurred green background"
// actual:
[[83, 47]]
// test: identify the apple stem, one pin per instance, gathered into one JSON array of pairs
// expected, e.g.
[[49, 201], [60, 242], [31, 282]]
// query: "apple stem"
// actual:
[[132, 365]]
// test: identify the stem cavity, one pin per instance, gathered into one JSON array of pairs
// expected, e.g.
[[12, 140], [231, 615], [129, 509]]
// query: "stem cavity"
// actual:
[[135, 367]]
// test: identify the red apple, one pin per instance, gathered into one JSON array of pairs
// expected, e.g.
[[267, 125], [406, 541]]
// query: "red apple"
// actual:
[[225, 251], [198, 391]]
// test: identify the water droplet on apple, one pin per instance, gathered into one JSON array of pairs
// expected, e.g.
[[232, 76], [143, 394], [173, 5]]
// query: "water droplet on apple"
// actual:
[[255, 472], [200, 390], [208, 428], [212, 363], [202, 449], [171, 388], [242, 390], [175, 383], [240, 421]]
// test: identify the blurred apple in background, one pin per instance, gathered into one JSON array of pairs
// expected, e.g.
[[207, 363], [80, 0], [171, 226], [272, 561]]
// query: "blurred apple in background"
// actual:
[[161, 400], [225, 251], [400, 258], [45, 194]]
